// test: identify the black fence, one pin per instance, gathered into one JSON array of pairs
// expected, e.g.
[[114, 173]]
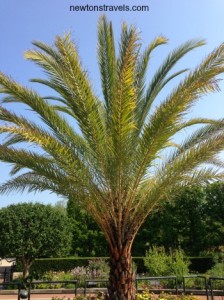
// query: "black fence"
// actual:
[[213, 290], [156, 282], [94, 283], [208, 286], [6, 274]]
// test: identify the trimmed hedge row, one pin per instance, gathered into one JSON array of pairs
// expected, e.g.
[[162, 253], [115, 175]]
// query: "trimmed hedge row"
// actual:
[[42, 265], [201, 264]]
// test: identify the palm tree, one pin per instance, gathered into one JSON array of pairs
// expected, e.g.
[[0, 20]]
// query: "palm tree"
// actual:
[[123, 161]]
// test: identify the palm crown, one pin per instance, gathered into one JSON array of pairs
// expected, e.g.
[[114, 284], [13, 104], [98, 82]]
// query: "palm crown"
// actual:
[[113, 167]]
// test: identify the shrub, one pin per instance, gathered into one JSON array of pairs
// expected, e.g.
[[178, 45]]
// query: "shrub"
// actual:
[[159, 263], [217, 270], [99, 268], [179, 263], [96, 269]]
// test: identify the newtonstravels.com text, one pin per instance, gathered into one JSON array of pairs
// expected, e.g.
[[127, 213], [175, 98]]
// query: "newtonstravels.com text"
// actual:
[[105, 7]]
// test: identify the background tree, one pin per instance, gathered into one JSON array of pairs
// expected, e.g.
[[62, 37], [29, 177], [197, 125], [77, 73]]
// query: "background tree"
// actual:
[[193, 221], [214, 211], [33, 230], [88, 239], [180, 223], [187, 221], [115, 165]]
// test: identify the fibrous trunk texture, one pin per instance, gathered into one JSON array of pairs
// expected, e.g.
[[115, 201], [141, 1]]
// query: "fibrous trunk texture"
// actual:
[[122, 277]]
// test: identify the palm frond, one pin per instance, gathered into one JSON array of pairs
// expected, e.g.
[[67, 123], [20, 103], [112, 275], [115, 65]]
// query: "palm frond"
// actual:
[[107, 60], [159, 80], [200, 135], [32, 182], [164, 123], [121, 118], [142, 64], [67, 77], [36, 162], [18, 93]]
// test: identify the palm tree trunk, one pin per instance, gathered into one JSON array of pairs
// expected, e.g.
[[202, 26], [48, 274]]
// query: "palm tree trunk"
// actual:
[[122, 277]]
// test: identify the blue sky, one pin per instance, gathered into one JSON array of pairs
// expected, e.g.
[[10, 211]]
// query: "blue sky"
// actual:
[[23, 21]]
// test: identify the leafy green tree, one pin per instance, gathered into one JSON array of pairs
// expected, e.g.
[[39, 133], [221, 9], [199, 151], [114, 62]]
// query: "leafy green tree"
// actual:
[[180, 223], [214, 211], [88, 239], [193, 221], [185, 218], [32, 230], [114, 165], [188, 221]]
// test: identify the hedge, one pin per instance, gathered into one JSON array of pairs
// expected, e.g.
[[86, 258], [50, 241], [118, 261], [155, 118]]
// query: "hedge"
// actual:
[[201, 264], [42, 265]]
